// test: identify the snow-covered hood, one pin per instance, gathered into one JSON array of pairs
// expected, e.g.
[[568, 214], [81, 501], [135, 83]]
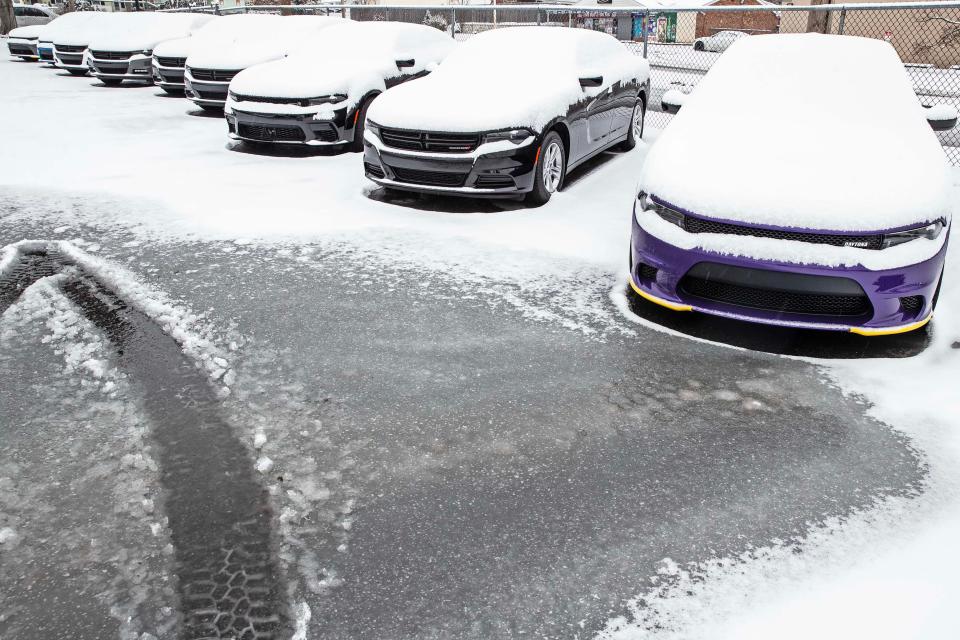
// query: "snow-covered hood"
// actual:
[[31, 32], [76, 28], [176, 48], [145, 30], [306, 78], [517, 77], [803, 131]]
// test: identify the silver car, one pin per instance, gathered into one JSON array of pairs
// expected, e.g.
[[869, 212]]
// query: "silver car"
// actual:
[[22, 42], [718, 42], [29, 15]]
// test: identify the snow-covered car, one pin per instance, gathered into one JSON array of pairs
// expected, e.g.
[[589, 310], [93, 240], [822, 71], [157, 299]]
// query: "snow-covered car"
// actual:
[[718, 42], [33, 14], [320, 93], [70, 41], [508, 113], [64, 27], [125, 51], [836, 218], [213, 64], [22, 42]]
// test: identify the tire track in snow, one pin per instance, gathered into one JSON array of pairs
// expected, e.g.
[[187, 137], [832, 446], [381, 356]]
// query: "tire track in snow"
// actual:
[[219, 515]]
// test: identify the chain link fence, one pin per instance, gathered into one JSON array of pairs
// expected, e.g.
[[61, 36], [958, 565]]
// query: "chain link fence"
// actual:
[[682, 43]]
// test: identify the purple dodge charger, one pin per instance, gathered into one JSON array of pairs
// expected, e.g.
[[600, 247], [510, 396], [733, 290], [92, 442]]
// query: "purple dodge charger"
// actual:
[[801, 184]]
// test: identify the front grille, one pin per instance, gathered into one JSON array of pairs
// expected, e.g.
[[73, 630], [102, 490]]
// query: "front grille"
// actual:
[[494, 181], [693, 224], [67, 59], [113, 55], [771, 300], [211, 95], [373, 170], [179, 63], [271, 134], [431, 178], [911, 304], [213, 75], [113, 69], [61, 48], [245, 98], [20, 50], [170, 78], [429, 141]]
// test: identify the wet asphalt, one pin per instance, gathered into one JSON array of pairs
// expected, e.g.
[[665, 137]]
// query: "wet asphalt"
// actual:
[[440, 464]]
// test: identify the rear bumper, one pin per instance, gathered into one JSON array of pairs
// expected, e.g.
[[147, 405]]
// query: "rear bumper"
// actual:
[[491, 171], [300, 129], [136, 68], [900, 299]]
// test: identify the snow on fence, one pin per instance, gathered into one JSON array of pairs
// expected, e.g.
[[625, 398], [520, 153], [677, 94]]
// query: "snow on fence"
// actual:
[[925, 34]]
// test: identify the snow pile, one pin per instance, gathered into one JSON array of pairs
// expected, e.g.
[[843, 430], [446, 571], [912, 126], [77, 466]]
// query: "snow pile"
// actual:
[[803, 130], [516, 77], [259, 38], [353, 59], [143, 31]]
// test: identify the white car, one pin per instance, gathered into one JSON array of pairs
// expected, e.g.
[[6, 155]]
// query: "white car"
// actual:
[[33, 14], [213, 63], [830, 206], [67, 26], [718, 42], [70, 40], [508, 113], [125, 51], [22, 42], [320, 93]]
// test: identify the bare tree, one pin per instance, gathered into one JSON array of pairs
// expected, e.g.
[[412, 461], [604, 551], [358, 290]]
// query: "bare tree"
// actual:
[[818, 21], [8, 19], [949, 37]]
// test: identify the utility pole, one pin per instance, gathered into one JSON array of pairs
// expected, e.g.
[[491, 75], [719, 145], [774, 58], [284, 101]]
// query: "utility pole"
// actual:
[[8, 19], [818, 21]]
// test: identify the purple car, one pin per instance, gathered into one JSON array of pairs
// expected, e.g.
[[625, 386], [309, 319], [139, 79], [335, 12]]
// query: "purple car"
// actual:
[[801, 184]]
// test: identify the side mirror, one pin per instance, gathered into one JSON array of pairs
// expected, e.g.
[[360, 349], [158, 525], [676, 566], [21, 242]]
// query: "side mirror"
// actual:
[[403, 64], [593, 81], [672, 100], [942, 117]]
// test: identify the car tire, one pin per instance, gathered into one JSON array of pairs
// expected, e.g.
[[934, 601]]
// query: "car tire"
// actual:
[[698, 46], [360, 127], [109, 82], [635, 129], [76, 72], [550, 171]]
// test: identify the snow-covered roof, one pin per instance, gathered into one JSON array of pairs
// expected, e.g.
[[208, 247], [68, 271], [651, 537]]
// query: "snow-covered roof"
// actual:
[[259, 38], [803, 131], [30, 31], [70, 23], [144, 30], [516, 77]]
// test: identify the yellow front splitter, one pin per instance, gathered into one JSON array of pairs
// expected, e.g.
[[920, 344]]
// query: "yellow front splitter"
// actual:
[[673, 306], [889, 331]]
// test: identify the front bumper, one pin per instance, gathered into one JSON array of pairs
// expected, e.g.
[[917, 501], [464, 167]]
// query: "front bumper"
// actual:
[[71, 61], [20, 48], [45, 53], [205, 93], [168, 77], [294, 129], [137, 68], [492, 170], [900, 299]]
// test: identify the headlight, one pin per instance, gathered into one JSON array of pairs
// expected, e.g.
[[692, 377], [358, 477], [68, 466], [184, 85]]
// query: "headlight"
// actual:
[[373, 127], [331, 99], [515, 136], [647, 203], [930, 231]]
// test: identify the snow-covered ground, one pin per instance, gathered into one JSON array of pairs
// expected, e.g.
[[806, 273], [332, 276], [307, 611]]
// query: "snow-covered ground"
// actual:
[[889, 573]]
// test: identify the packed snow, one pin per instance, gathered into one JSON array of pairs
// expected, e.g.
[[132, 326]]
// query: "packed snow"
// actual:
[[143, 31], [30, 32], [353, 60], [516, 77], [804, 131]]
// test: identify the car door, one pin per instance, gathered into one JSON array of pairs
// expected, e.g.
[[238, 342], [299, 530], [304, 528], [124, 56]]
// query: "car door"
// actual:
[[621, 109]]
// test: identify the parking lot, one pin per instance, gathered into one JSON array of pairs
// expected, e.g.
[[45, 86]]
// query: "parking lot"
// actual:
[[402, 416]]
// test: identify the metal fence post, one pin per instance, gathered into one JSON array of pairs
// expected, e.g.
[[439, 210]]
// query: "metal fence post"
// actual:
[[843, 17], [569, 18], [643, 22], [453, 27], [386, 14], [538, 17]]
